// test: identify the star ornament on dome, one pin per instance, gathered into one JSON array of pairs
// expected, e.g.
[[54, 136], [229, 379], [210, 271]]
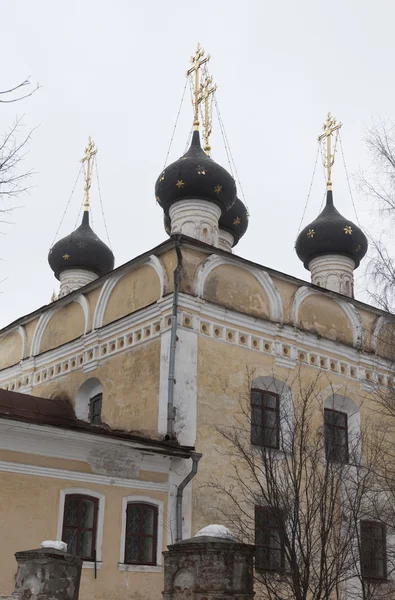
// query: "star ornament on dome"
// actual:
[[358, 248], [311, 233], [66, 256], [348, 230], [237, 221], [218, 189], [180, 184]]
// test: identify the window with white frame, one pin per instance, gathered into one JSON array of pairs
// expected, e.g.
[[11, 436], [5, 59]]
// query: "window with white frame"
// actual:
[[80, 523], [272, 413], [141, 538], [342, 429]]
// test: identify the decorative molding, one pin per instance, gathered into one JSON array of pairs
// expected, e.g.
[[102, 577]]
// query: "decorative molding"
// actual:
[[263, 278], [110, 284], [73, 279], [196, 218], [39, 331], [100, 519], [380, 323], [349, 310], [159, 548], [83, 302], [22, 332], [86, 478]]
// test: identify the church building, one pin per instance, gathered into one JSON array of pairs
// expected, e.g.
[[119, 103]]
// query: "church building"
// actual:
[[112, 394]]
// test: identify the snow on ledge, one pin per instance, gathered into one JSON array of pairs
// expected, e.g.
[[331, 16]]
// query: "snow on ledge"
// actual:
[[57, 545], [217, 531]]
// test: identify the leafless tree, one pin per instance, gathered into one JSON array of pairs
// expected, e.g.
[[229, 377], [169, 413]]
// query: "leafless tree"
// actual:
[[13, 148], [312, 507], [377, 183]]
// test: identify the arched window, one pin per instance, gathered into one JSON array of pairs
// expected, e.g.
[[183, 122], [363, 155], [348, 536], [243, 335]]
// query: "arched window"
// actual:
[[88, 402], [272, 413], [141, 533], [80, 525]]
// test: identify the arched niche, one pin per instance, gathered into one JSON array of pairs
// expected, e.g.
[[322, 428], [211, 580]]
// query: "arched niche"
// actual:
[[235, 287], [134, 290], [244, 288], [87, 390], [64, 325], [328, 318], [11, 352]]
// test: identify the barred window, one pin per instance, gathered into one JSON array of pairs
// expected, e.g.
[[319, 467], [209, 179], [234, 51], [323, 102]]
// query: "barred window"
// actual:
[[80, 525], [141, 533]]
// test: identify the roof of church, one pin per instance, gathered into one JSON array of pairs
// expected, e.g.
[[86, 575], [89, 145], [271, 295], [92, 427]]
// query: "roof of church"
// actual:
[[172, 242], [331, 233], [81, 249], [58, 412], [195, 176]]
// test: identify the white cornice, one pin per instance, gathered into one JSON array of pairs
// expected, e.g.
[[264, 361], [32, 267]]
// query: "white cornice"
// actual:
[[23, 469]]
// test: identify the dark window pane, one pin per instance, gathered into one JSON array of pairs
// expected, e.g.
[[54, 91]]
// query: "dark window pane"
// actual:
[[256, 397], [95, 409], [373, 550], [256, 415], [146, 549], [148, 520], [265, 421], [269, 539], [270, 401], [70, 537], [88, 513], [132, 549], [71, 512], [336, 436], [86, 543]]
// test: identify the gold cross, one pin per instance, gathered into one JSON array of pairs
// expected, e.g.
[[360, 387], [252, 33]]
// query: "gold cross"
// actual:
[[329, 127], [90, 152], [206, 89], [197, 60]]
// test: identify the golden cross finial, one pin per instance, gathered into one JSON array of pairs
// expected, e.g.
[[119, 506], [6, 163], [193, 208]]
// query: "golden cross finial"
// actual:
[[206, 89], [197, 60], [329, 127], [90, 152]]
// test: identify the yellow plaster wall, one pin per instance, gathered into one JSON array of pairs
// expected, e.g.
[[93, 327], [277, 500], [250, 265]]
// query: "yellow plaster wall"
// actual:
[[130, 383], [287, 291], [136, 289], [325, 317], [44, 461], [66, 324], [30, 329], [32, 516], [10, 349], [236, 288]]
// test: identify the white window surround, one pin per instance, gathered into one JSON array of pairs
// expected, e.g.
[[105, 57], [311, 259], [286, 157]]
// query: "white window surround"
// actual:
[[87, 390], [100, 521], [269, 383], [351, 409], [122, 566]]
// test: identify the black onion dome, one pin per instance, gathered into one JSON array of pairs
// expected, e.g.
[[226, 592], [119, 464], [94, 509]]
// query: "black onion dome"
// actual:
[[331, 233], [195, 175], [235, 220], [82, 249]]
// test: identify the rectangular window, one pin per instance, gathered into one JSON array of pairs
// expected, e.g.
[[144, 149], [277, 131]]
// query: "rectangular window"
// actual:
[[269, 539], [373, 550], [336, 436], [141, 534], [265, 419], [80, 525], [95, 409]]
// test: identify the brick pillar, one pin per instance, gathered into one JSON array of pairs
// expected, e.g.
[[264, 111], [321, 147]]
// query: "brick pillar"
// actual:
[[207, 567], [47, 574]]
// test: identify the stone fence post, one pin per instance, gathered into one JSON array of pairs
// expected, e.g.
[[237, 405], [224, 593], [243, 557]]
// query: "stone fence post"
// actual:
[[47, 574], [212, 565]]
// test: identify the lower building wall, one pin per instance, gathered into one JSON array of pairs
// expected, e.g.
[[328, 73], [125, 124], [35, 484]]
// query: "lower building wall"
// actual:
[[29, 514]]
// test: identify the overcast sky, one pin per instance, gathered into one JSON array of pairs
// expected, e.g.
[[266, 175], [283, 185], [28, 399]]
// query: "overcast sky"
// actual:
[[116, 71]]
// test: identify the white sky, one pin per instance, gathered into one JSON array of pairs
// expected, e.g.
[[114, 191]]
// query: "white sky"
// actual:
[[115, 71]]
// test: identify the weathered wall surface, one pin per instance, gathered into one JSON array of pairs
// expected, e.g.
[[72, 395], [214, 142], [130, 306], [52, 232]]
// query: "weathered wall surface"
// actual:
[[136, 289], [325, 317], [11, 349], [66, 324], [32, 516]]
